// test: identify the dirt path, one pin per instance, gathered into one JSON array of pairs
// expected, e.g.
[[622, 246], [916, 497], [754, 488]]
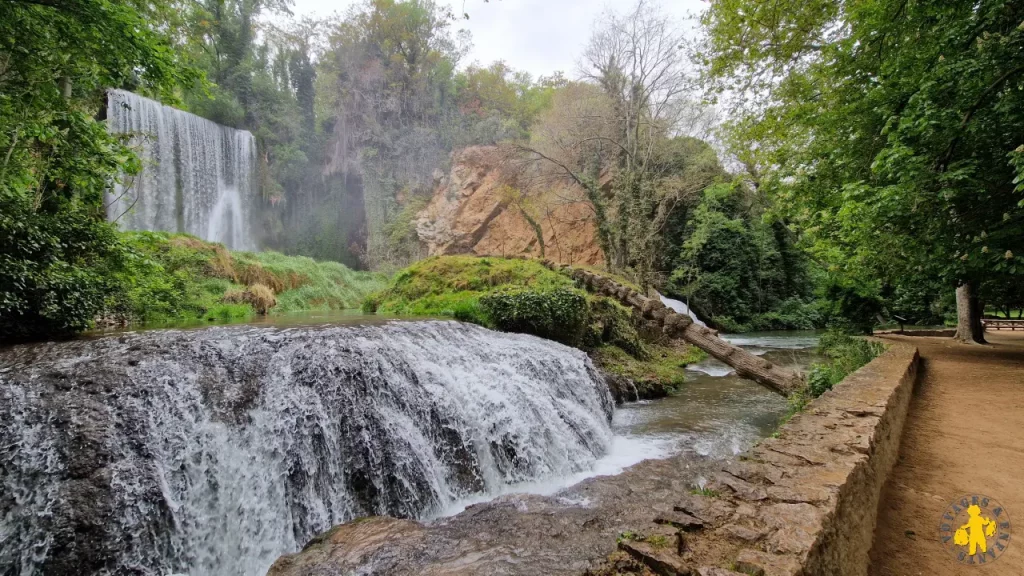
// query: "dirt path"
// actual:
[[964, 435]]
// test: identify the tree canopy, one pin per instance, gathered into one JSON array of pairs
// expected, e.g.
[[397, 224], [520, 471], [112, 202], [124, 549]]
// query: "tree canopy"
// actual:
[[889, 131], [56, 60]]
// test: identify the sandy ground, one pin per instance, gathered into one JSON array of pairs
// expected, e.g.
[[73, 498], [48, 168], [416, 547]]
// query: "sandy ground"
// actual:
[[964, 435]]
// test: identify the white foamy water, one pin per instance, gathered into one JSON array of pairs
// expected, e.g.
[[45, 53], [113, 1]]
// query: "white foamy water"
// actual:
[[681, 308], [222, 449], [711, 367], [625, 451], [197, 175]]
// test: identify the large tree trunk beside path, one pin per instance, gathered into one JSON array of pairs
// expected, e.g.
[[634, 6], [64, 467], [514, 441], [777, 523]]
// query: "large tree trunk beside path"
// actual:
[[968, 315]]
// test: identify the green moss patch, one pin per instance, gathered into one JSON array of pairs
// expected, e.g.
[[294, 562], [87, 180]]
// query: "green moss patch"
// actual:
[[507, 294], [523, 296], [665, 365]]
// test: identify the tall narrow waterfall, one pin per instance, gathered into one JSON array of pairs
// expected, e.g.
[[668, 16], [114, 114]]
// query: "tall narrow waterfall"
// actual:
[[212, 452], [197, 175], [680, 307]]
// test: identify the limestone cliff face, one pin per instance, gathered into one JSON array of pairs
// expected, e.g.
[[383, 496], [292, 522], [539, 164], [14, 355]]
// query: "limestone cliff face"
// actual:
[[481, 206]]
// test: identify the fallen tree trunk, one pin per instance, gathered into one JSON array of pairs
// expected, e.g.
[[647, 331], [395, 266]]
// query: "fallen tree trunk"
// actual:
[[674, 325], [746, 364]]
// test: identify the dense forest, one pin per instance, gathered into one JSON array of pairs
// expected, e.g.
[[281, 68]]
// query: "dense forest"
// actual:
[[855, 177]]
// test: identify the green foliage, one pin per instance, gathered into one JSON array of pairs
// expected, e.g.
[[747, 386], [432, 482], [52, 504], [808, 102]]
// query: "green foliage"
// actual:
[[432, 286], [58, 254], [1004, 296], [612, 323], [558, 314], [845, 355], [174, 277], [497, 103], [453, 287], [795, 404], [851, 304], [889, 133], [705, 492], [739, 271], [314, 285], [524, 296], [627, 536], [52, 263]]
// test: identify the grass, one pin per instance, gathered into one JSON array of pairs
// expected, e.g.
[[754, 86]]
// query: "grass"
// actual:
[[655, 540], [844, 354], [1014, 314], [177, 277], [314, 285], [705, 492]]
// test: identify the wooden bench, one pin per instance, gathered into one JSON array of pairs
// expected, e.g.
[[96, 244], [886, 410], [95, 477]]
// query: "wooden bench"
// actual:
[[1002, 324]]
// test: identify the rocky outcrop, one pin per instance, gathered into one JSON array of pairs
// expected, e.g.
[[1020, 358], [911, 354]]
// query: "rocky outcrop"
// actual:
[[799, 504], [334, 546], [484, 205]]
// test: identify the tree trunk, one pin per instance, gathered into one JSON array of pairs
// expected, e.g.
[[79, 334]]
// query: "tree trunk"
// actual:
[[747, 365], [538, 232], [675, 325], [968, 315]]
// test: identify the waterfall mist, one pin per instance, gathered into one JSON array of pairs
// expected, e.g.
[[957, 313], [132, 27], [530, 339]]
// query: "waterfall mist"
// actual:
[[197, 175], [213, 452]]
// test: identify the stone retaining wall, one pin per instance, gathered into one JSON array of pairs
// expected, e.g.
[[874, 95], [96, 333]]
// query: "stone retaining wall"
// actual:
[[803, 502]]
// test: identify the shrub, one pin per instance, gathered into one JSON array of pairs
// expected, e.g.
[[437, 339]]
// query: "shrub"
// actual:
[[792, 314], [849, 305], [730, 326], [442, 285], [611, 323], [262, 298], [845, 355], [54, 269], [559, 314]]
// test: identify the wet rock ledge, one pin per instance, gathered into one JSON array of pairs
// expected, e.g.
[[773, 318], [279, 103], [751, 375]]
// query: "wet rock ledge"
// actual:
[[801, 503]]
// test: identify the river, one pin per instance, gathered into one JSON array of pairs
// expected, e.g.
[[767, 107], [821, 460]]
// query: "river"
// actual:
[[213, 451]]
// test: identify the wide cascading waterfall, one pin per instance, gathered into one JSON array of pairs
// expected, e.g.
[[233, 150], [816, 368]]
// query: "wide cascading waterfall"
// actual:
[[214, 451], [197, 175]]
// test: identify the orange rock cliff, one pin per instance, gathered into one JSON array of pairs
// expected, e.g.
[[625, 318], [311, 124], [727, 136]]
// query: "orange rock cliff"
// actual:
[[478, 208]]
